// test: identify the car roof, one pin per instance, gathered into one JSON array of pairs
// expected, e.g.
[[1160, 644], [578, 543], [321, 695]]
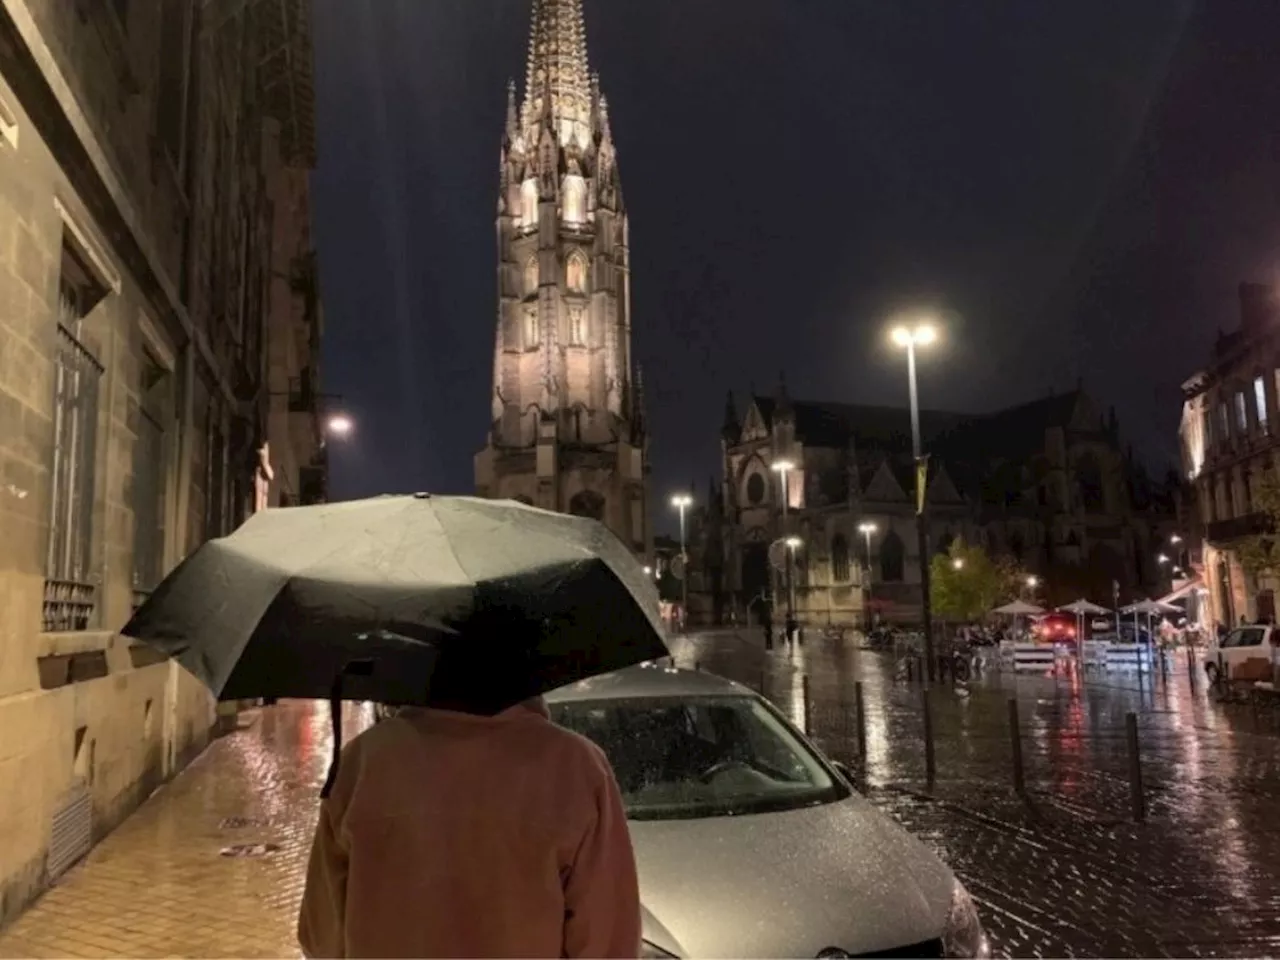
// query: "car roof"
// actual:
[[655, 679]]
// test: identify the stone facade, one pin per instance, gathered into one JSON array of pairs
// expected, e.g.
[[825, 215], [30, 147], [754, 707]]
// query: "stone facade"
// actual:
[[1045, 483], [1230, 438], [568, 430], [135, 257]]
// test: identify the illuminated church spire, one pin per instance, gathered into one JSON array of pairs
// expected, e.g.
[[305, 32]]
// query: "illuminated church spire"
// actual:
[[564, 382], [558, 65]]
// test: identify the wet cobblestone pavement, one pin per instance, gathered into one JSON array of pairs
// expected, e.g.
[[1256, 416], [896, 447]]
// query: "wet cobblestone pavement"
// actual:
[[1065, 873]]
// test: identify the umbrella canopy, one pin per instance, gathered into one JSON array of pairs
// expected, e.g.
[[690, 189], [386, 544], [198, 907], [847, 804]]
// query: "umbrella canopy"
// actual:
[[1151, 607], [375, 594], [1084, 608], [1019, 608]]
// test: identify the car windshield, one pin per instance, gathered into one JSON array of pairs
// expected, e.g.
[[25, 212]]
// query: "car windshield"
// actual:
[[701, 757]]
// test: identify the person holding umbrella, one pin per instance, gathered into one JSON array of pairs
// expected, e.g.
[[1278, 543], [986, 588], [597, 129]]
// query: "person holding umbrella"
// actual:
[[467, 824], [466, 829]]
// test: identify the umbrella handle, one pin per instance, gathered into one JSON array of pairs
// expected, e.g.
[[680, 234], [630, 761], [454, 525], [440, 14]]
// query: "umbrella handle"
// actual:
[[363, 668], [335, 721]]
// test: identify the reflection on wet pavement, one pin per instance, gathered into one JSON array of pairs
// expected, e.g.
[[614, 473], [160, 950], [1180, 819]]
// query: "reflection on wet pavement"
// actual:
[[161, 885], [1066, 872]]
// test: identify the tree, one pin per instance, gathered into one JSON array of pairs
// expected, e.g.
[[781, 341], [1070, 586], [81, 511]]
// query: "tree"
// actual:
[[967, 583], [1258, 552]]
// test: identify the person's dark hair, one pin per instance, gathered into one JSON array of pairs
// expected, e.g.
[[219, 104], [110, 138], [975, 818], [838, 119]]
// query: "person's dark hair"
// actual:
[[489, 666]]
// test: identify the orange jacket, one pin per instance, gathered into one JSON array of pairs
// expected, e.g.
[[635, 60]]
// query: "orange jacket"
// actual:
[[451, 835]]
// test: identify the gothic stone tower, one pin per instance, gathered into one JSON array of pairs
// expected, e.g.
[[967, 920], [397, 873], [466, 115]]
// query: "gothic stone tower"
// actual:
[[568, 428]]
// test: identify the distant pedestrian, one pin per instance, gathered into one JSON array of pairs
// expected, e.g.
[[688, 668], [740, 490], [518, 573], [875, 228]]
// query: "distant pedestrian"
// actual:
[[468, 830]]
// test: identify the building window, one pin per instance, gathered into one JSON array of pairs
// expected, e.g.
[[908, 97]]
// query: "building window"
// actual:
[[575, 199], [1207, 423], [531, 277], [1224, 422], [839, 558], [529, 204], [150, 468], [8, 125], [215, 513], [587, 503], [576, 273], [1242, 414], [70, 572], [531, 328], [577, 326], [892, 558], [1260, 402], [755, 489]]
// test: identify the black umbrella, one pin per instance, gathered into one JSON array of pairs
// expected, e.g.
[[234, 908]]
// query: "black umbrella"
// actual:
[[364, 599]]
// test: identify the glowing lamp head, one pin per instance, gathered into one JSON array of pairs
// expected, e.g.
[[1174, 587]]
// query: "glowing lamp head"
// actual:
[[1032, 581], [793, 543], [866, 528], [921, 335], [957, 563], [782, 466], [339, 425], [681, 500]]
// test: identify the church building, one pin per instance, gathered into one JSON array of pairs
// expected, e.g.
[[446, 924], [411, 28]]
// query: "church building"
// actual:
[[568, 429]]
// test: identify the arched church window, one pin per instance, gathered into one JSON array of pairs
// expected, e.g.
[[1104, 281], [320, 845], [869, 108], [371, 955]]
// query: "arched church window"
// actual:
[[531, 328], [1089, 483], [531, 276], [577, 326], [587, 503], [839, 558], [575, 199], [529, 204], [755, 489], [576, 273], [892, 558]]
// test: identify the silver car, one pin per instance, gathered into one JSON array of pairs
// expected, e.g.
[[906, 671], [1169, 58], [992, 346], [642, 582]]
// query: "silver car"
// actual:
[[749, 842]]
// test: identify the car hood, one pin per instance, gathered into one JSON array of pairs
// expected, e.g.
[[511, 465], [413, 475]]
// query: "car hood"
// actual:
[[788, 884]]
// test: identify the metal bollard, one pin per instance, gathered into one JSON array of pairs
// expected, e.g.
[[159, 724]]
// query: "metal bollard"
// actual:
[[927, 714], [1015, 743], [861, 717], [697, 665], [808, 708], [1191, 669], [1137, 802]]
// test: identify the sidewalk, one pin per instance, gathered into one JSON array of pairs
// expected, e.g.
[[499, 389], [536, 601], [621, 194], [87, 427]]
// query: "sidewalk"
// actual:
[[159, 885]]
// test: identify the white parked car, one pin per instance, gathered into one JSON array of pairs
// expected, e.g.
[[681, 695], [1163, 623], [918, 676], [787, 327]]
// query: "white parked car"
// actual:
[[749, 842], [1254, 641]]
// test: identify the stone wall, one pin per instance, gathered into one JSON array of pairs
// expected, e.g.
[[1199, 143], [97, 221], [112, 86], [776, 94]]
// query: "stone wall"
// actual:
[[94, 182]]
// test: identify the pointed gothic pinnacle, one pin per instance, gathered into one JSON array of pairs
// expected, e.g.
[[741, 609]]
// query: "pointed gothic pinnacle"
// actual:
[[513, 121]]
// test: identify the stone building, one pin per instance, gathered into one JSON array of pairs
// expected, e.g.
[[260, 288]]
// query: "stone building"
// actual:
[[568, 429], [138, 145], [1229, 444], [1045, 483]]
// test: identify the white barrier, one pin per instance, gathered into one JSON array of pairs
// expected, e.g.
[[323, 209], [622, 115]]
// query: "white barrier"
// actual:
[[1028, 657], [1095, 654], [1128, 658]]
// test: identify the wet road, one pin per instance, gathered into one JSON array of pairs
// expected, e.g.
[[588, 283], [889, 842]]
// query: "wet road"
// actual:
[[1066, 872], [1066, 875]]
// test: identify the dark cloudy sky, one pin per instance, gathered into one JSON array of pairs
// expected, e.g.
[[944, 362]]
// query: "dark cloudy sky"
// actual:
[[1078, 185]]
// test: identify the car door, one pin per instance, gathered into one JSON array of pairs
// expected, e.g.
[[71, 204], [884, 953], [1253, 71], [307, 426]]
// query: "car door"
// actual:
[[1244, 643]]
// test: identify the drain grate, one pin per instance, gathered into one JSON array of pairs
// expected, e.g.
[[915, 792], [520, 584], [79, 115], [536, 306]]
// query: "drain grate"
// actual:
[[249, 851], [240, 823]]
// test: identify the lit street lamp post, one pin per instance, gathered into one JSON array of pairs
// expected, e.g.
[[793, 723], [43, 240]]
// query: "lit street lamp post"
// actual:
[[682, 502], [784, 468], [908, 338]]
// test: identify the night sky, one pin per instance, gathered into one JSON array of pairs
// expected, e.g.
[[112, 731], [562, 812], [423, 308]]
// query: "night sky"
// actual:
[[1078, 187]]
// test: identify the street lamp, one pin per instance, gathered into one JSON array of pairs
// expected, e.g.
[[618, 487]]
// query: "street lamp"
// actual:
[[784, 468], [908, 338], [682, 502], [957, 563], [339, 425]]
